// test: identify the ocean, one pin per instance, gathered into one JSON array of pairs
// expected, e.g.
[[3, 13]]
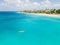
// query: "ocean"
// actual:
[[37, 30]]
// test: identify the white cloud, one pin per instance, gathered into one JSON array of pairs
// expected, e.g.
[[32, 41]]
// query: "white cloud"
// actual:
[[49, 4], [27, 1], [27, 4], [46, 3], [36, 3]]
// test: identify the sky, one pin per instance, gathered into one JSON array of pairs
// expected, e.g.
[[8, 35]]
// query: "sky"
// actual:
[[17, 5]]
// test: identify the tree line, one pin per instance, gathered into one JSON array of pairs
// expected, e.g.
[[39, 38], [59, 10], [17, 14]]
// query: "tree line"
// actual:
[[47, 11]]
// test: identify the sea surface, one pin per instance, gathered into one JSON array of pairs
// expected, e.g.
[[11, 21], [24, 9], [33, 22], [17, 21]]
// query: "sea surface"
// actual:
[[38, 30]]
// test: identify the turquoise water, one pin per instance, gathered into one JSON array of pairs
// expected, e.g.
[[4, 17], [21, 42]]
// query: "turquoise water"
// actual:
[[38, 30]]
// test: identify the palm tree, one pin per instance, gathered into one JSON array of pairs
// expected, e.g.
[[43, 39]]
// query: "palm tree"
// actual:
[[58, 11]]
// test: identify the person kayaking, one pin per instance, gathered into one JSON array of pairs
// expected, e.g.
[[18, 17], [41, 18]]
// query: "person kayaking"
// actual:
[[21, 31]]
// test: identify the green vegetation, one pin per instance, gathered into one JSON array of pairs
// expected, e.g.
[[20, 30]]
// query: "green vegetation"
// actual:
[[47, 11], [58, 11]]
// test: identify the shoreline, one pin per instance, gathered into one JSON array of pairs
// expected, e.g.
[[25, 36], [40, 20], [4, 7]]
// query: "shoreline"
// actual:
[[43, 14]]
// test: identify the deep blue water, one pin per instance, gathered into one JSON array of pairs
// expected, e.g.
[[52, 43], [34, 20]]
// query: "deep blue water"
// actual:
[[39, 30]]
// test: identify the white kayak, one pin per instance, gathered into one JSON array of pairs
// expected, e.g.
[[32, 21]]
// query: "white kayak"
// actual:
[[21, 31]]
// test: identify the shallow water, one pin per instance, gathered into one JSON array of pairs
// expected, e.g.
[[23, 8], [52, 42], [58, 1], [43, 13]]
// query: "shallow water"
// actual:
[[38, 30]]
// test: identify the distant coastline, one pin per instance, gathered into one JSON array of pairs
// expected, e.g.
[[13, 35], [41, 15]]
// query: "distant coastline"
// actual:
[[44, 14], [49, 12]]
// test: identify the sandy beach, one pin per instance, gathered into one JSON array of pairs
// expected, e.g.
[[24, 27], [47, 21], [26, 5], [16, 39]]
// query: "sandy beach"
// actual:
[[42, 14]]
